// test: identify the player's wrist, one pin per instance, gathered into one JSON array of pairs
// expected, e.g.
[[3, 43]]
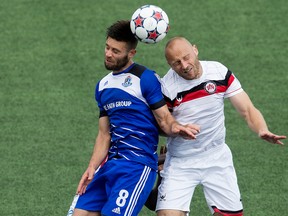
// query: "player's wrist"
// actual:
[[175, 128]]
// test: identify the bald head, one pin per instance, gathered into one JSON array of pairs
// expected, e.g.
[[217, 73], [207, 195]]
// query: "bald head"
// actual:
[[177, 45], [174, 40]]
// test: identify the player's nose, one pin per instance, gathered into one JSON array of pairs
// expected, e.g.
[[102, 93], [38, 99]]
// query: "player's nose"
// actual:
[[184, 65], [108, 54]]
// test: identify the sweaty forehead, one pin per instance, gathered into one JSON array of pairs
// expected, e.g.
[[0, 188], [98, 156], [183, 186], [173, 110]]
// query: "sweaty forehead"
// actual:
[[177, 51]]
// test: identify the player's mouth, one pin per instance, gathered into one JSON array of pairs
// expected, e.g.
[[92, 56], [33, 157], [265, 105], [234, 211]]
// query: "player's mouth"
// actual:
[[188, 70], [108, 61]]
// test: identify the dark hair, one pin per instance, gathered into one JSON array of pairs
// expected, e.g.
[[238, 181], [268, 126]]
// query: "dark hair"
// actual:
[[121, 31]]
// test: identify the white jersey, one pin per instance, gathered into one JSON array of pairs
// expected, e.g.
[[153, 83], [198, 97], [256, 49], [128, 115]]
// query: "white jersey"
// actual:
[[201, 102]]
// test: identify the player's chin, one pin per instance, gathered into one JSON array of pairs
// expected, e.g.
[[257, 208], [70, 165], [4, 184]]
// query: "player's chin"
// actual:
[[109, 65]]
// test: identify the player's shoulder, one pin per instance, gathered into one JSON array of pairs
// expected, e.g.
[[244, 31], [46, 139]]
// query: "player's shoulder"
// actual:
[[103, 81], [169, 76], [106, 77], [215, 65], [147, 75], [214, 69], [138, 70]]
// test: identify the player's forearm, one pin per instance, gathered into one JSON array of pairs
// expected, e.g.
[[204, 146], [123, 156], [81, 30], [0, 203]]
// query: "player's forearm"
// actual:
[[167, 124], [256, 121], [97, 159], [100, 151]]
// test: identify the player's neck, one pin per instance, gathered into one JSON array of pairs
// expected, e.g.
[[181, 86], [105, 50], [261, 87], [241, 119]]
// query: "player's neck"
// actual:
[[124, 68], [200, 72]]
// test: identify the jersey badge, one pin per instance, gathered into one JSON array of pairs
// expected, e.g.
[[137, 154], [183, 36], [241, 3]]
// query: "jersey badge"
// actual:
[[127, 81], [179, 99], [210, 87]]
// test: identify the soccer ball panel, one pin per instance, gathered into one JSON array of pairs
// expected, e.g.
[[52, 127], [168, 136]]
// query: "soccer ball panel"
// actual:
[[162, 27], [165, 17], [146, 12], [135, 14], [160, 37], [149, 41], [132, 26], [141, 33], [150, 23]]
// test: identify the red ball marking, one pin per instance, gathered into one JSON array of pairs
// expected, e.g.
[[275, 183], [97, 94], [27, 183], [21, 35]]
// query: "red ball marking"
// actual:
[[153, 35], [157, 16], [138, 21]]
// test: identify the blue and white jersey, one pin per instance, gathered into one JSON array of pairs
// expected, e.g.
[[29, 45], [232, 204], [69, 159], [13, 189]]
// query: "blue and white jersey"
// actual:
[[127, 98]]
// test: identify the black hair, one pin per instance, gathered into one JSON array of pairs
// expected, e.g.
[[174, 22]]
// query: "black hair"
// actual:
[[121, 31]]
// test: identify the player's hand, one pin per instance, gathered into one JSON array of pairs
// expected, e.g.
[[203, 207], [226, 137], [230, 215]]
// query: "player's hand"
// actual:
[[272, 138], [195, 129], [188, 131], [85, 180]]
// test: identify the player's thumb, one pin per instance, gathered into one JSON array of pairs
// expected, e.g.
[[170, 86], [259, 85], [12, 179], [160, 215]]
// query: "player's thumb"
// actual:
[[91, 174]]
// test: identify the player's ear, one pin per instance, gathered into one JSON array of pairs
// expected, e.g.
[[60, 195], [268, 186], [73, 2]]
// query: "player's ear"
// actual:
[[132, 53], [195, 49]]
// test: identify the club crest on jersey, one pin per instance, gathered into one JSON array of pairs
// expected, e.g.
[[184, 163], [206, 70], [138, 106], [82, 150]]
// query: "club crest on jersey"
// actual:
[[210, 87], [127, 81], [179, 99]]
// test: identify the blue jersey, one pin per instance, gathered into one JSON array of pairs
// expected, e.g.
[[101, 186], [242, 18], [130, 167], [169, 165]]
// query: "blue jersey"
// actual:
[[127, 98]]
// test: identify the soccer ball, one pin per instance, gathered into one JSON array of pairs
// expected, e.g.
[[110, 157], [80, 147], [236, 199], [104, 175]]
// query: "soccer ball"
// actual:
[[149, 24]]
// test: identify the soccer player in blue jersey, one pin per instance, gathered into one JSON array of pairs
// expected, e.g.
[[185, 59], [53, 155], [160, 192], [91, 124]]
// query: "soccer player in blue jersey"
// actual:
[[132, 109]]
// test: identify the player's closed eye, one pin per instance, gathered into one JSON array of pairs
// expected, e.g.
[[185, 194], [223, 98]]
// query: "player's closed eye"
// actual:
[[113, 50], [176, 64]]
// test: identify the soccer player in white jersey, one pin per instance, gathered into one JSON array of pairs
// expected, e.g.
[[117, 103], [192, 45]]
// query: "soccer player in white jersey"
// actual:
[[131, 107], [195, 92]]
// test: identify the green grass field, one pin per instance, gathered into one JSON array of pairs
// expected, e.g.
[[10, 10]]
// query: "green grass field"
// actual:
[[52, 56]]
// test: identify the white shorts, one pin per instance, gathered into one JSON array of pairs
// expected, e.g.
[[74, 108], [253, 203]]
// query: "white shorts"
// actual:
[[214, 170]]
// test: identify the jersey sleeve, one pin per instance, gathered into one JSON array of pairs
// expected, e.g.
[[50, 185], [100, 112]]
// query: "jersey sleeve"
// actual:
[[151, 89], [164, 88], [234, 85], [102, 111]]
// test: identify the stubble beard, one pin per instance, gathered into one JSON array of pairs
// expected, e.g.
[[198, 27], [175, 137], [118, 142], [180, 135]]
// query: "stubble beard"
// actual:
[[120, 63]]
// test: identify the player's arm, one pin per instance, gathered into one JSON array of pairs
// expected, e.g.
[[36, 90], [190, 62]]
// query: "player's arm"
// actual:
[[99, 154], [254, 118], [171, 127], [151, 90]]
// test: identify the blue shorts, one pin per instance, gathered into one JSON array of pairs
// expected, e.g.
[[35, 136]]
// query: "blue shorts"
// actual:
[[120, 187]]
